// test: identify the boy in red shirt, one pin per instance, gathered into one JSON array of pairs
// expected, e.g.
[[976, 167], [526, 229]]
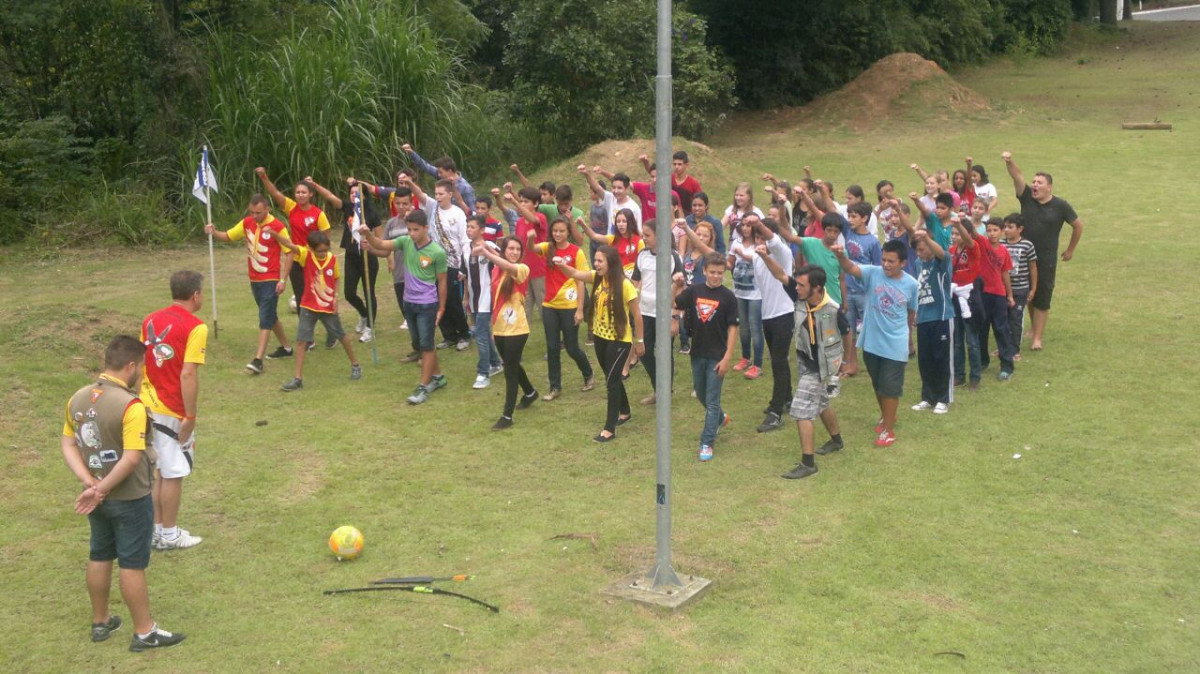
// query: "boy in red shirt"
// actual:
[[997, 297], [318, 304], [532, 229]]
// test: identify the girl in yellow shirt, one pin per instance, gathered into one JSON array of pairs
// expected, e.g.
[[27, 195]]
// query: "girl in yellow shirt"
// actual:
[[617, 324], [510, 326]]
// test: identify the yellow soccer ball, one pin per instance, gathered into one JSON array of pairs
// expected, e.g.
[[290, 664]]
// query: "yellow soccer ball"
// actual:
[[346, 542]]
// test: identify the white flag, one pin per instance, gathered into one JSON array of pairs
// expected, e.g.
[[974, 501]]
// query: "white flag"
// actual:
[[205, 178]]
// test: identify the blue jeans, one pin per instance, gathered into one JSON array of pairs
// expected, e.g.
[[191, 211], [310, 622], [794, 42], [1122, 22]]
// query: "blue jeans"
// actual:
[[489, 356], [267, 301], [750, 327], [421, 319], [707, 384]]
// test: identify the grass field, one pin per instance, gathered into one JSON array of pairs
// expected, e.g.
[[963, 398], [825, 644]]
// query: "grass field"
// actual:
[[1080, 556]]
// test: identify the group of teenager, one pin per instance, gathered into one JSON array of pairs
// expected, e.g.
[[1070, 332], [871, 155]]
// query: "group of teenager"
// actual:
[[809, 276], [809, 279]]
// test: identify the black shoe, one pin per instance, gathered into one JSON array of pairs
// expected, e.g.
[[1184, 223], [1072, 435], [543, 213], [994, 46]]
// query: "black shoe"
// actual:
[[602, 438], [330, 342], [280, 353], [294, 385], [830, 447], [622, 422], [255, 366], [156, 639], [502, 423], [772, 422], [101, 631], [527, 400], [799, 472]]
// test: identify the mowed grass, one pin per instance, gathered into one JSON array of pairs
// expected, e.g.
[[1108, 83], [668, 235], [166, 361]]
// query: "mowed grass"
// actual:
[[1078, 556]]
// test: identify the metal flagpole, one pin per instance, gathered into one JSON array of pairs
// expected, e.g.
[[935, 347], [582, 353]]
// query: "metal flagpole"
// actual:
[[661, 586], [356, 198], [212, 265]]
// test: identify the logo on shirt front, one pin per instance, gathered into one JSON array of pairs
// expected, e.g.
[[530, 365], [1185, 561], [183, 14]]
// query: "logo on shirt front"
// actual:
[[426, 261], [329, 272], [706, 309], [571, 294]]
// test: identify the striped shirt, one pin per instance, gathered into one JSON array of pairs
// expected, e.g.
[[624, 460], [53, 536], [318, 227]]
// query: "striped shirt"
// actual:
[[1022, 253]]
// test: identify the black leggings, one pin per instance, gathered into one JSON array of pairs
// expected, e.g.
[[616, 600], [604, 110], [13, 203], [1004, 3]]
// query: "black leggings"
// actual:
[[454, 320], [510, 348], [562, 322], [611, 356], [354, 279]]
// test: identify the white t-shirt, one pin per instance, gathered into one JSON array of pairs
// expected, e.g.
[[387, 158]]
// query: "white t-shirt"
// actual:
[[744, 286], [611, 207], [775, 300], [479, 278], [449, 228], [646, 272], [737, 234], [986, 192]]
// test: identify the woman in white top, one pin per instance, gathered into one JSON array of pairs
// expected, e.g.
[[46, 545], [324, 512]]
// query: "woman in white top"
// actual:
[[741, 261]]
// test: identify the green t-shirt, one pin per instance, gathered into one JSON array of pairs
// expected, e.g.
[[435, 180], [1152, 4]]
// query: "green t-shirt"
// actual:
[[816, 253], [421, 268], [551, 212]]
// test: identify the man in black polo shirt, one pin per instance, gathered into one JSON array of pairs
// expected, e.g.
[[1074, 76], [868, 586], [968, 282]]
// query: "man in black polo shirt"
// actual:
[[1045, 215]]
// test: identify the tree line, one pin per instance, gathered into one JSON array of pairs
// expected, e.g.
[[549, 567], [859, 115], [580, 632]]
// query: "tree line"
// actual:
[[104, 104]]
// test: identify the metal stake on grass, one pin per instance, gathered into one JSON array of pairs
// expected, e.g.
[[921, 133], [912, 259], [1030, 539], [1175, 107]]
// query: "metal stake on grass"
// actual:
[[661, 586]]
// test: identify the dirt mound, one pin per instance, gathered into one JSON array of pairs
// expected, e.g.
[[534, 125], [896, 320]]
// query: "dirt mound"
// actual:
[[902, 85], [622, 156]]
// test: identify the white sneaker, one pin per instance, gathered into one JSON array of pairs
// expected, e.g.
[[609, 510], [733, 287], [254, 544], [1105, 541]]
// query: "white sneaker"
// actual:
[[362, 324], [941, 408], [922, 406], [481, 381], [404, 325], [462, 345], [367, 335], [183, 540]]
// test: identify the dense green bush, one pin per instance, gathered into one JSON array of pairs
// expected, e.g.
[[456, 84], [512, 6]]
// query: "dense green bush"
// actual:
[[43, 167], [585, 69]]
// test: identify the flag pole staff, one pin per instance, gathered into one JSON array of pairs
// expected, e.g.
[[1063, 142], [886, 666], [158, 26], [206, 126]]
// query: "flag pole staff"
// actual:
[[212, 265]]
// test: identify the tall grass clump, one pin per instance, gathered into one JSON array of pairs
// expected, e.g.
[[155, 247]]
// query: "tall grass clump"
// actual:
[[338, 97]]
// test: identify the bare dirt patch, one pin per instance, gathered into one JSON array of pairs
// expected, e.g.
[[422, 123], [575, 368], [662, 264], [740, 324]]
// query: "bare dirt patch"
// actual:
[[898, 85]]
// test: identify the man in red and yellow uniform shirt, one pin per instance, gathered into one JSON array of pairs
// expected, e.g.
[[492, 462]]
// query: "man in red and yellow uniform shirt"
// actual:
[[268, 266], [304, 218], [319, 303], [175, 341]]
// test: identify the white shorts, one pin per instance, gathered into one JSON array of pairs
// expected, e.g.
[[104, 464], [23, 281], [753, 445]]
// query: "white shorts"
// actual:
[[174, 459]]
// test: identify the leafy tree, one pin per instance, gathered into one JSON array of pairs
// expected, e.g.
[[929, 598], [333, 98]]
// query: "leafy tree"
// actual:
[[585, 69]]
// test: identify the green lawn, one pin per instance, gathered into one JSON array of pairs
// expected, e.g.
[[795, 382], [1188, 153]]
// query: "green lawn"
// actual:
[[1079, 556]]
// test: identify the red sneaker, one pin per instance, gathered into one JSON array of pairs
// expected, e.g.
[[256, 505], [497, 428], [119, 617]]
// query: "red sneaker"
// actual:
[[879, 427], [885, 439], [741, 365], [753, 372]]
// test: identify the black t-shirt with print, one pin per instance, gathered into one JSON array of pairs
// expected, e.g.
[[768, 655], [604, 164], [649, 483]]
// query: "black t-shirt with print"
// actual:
[[709, 312]]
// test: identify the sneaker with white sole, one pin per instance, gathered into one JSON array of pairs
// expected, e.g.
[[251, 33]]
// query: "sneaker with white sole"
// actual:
[[158, 638], [280, 352], [941, 408], [481, 381], [419, 396], [184, 540], [706, 452], [362, 324], [436, 382], [922, 406], [355, 372], [493, 371], [255, 366], [367, 335], [404, 325], [463, 345], [294, 385]]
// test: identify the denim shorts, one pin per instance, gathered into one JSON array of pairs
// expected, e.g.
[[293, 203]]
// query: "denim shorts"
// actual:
[[267, 301], [123, 530], [422, 319]]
